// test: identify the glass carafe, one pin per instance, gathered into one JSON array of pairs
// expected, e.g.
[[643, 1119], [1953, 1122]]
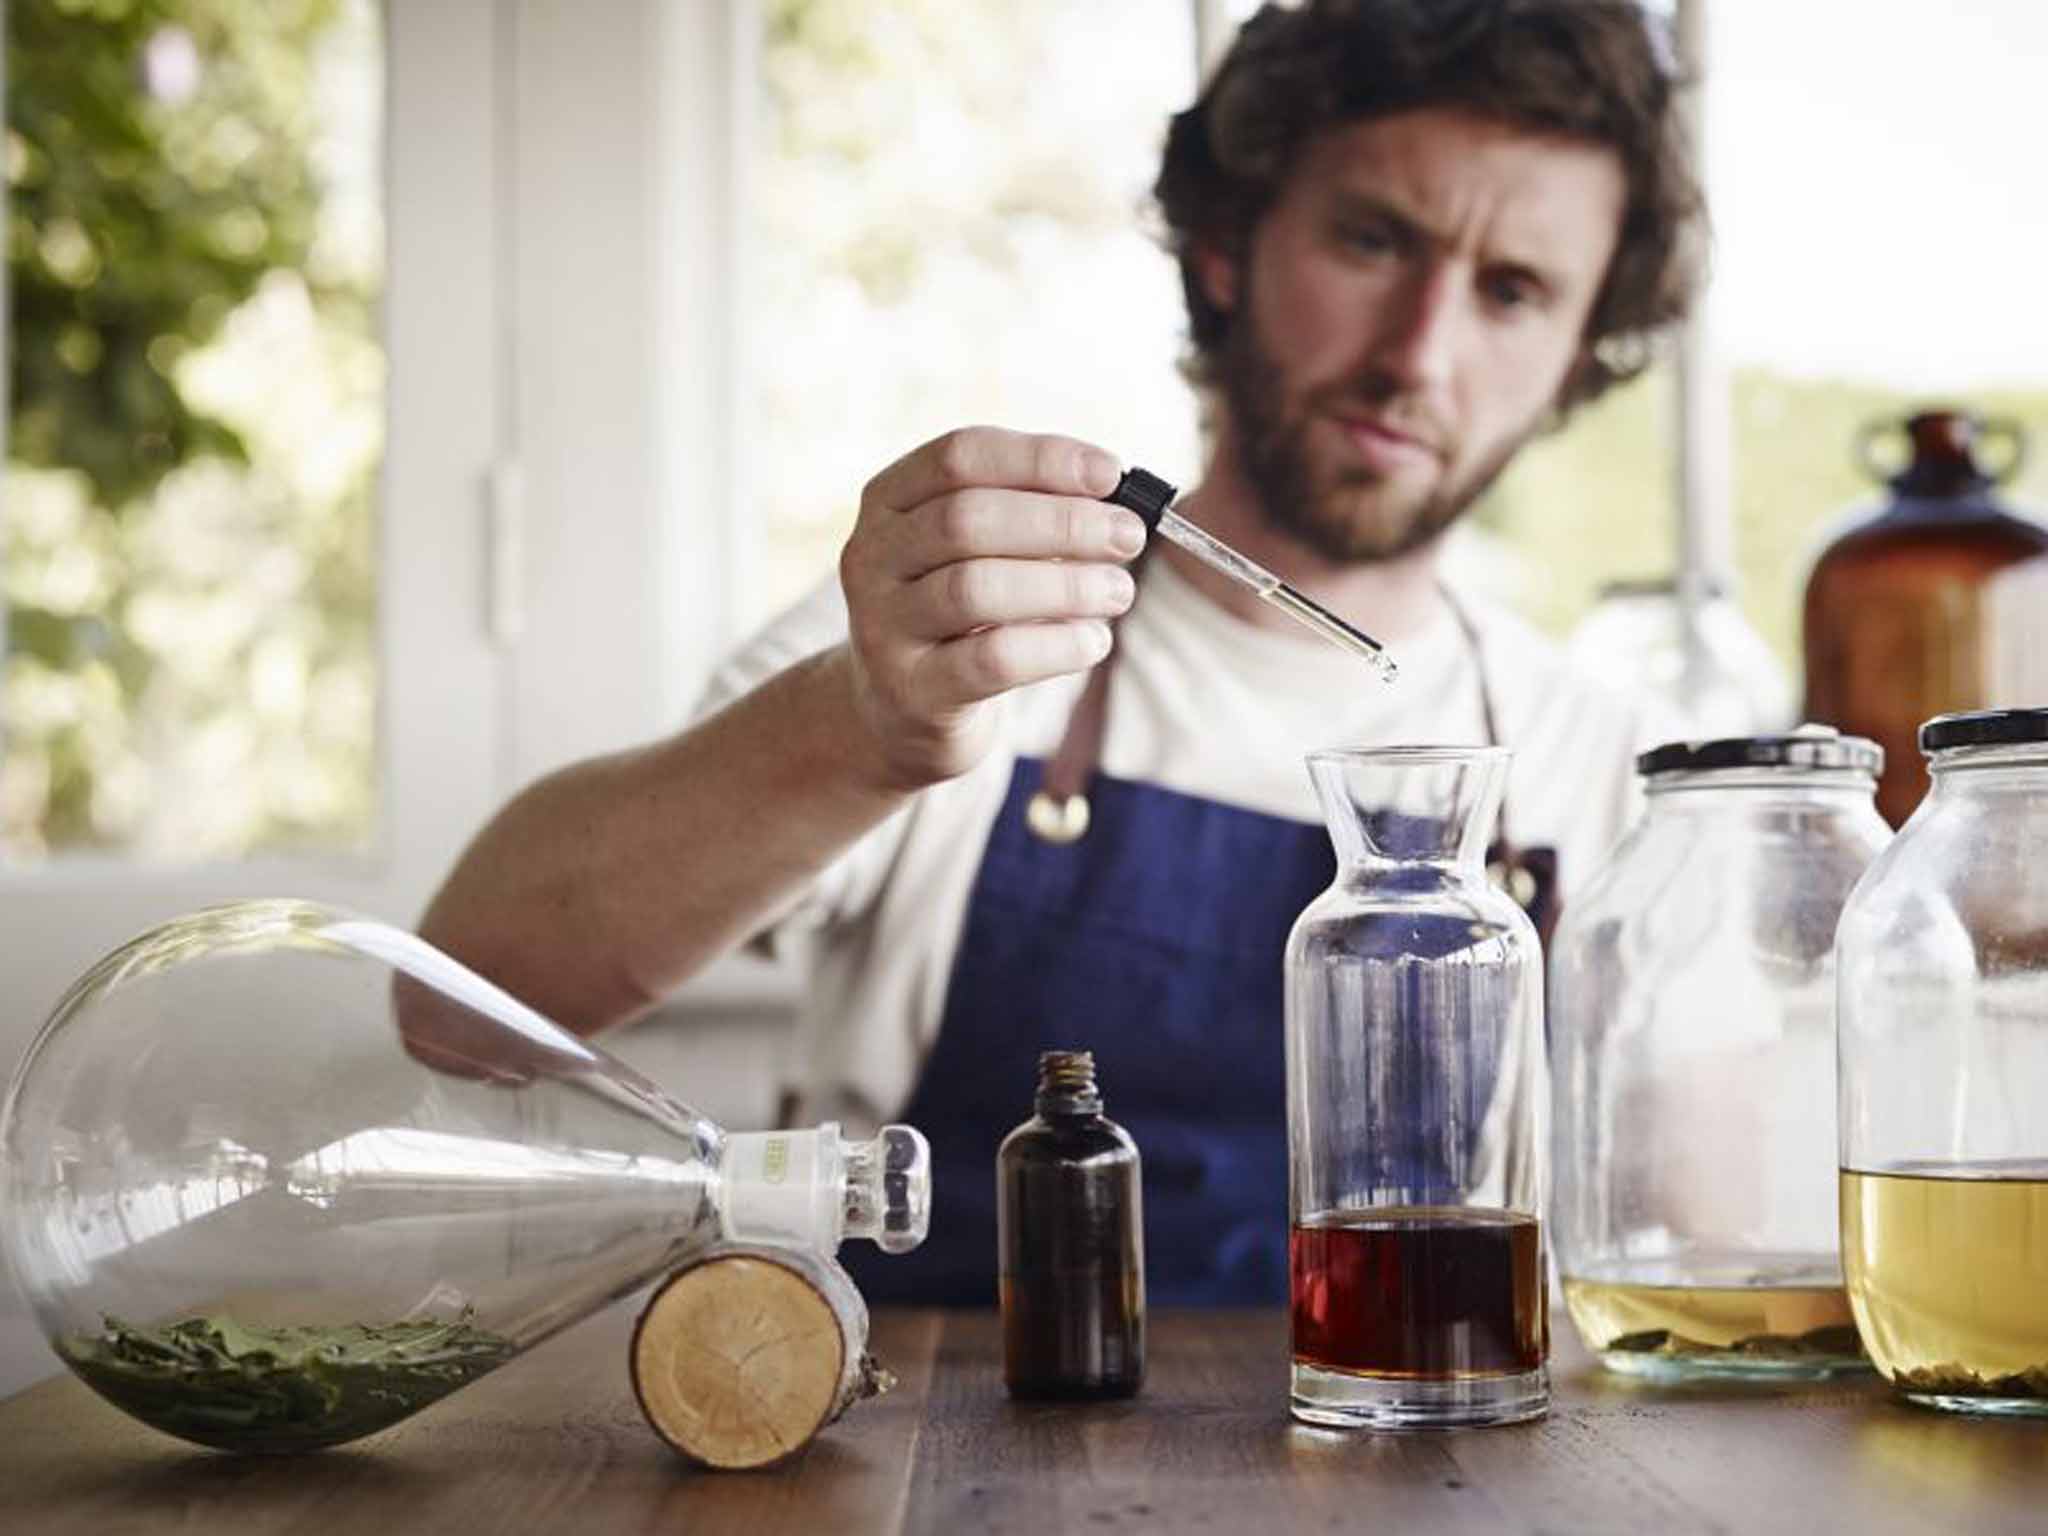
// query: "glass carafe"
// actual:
[[1416, 1101], [277, 1176], [1692, 1049], [1943, 1015]]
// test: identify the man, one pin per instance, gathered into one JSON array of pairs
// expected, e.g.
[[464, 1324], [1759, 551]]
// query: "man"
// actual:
[[1411, 236]]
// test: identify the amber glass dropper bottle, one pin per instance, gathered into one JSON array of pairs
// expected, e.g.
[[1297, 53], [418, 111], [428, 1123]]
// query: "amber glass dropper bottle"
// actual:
[[1070, 1235]]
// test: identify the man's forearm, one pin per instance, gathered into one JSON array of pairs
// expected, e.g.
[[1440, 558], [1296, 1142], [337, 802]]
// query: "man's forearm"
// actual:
[[606, 884]]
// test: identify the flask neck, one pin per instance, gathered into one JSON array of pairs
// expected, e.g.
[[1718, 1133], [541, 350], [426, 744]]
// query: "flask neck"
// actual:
[[815, 1189]]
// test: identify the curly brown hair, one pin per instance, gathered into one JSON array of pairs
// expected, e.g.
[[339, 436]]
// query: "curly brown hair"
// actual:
[[1593, 70]]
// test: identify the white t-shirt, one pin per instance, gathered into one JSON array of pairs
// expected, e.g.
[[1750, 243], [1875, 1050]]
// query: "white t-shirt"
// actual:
[[1201, 702]]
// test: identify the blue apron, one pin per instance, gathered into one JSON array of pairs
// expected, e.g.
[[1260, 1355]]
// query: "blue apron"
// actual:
[[1156, 942]]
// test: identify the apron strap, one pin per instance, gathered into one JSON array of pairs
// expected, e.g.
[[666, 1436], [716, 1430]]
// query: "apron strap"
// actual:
[[1058, 812]]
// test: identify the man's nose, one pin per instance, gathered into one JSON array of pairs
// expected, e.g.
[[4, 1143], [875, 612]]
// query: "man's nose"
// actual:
[[1419, 341]]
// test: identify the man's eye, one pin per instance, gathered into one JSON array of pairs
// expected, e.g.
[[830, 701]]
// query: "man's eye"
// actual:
[[1366, 237], [1507, 290]]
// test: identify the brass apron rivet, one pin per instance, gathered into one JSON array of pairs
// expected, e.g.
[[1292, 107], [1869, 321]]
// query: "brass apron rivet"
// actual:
[[1057, 818], [1517, 880]]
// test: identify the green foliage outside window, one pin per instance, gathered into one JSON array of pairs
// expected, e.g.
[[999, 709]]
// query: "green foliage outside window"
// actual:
[[193, 428]]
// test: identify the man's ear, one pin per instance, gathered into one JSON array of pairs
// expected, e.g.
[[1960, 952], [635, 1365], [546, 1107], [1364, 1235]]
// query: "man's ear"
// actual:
[[1217, 273]]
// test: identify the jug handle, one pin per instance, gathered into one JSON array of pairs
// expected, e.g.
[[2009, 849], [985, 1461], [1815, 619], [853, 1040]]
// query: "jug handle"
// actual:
[[2008, 429]]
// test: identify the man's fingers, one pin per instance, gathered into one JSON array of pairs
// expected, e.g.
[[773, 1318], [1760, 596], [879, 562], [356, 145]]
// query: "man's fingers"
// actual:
[[992, 661], [991, 456], [972, 594], [975, 523], [982, 561]]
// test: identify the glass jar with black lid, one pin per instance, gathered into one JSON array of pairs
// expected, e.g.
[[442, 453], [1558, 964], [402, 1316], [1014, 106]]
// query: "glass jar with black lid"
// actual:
[[1944, 1076], [1692, 1045]]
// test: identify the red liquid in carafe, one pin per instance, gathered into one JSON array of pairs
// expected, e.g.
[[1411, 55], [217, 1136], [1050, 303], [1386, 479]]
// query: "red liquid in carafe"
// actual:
[[1419, 1292]]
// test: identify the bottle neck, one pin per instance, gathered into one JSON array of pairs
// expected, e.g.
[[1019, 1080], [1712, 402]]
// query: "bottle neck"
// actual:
[[1067, 1106], [1066, 1086]]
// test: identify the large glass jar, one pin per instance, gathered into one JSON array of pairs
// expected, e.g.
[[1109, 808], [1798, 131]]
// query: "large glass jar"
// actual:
[[1692, 1044], [1944, 1077], [1415, 1104]]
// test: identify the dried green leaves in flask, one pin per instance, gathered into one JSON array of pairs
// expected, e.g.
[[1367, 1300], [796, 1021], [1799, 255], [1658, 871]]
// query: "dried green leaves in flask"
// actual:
[[1070, 1234]]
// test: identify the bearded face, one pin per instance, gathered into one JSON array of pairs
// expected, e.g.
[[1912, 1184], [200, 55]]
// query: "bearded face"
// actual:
[[1403, 319], [1345, 506]]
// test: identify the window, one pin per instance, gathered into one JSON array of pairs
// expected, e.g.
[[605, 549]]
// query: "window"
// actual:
[[195, 428]]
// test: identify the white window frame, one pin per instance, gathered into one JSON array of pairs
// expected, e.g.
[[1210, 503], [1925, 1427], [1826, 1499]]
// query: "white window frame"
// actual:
[[619, 324], [625, 277], [1703, 463]]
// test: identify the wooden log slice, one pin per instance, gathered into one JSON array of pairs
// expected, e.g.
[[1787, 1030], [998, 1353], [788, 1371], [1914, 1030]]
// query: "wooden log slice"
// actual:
[[741, 1358]]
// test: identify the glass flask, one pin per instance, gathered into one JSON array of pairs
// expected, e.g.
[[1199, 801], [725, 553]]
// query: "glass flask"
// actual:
[[277, 1176], [1416, 1100], [1692, 1047], [1943, 1015], [1901, 620], [1687, 643]]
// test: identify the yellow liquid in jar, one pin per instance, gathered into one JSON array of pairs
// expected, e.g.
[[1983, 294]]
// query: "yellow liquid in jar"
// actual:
[[1948, 1273], [1795, 1324]]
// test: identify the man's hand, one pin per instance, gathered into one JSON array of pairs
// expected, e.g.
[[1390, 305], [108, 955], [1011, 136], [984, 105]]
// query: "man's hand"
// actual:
[[982, 561]]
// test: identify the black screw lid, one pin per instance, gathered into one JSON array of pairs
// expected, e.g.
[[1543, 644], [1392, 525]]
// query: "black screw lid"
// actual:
[[1984, 728], [1811, 746], [1144, 493]]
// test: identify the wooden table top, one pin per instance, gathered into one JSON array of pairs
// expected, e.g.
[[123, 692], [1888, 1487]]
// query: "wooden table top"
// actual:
[[553, 1442]]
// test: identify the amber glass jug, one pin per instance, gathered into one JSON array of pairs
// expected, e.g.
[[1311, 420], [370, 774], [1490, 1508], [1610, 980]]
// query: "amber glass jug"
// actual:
[[1899, 624]]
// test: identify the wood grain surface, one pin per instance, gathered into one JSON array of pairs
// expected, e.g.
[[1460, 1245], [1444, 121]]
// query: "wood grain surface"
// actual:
[[553, 1442]]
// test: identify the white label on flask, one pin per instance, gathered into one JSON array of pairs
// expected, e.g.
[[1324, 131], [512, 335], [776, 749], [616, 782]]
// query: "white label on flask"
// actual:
[[774, 1190]]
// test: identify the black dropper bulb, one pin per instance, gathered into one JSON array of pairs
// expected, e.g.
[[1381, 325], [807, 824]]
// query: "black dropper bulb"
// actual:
[[1144, 493]]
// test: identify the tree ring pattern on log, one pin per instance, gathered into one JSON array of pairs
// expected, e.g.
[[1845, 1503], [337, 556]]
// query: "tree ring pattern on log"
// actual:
[[738, 1361]]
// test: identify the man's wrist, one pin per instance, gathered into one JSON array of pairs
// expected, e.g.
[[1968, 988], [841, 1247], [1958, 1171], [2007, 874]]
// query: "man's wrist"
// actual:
[[847, 736]]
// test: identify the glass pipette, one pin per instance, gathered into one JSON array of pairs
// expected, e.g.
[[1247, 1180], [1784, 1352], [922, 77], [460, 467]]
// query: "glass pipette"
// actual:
[[1152, 499]]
